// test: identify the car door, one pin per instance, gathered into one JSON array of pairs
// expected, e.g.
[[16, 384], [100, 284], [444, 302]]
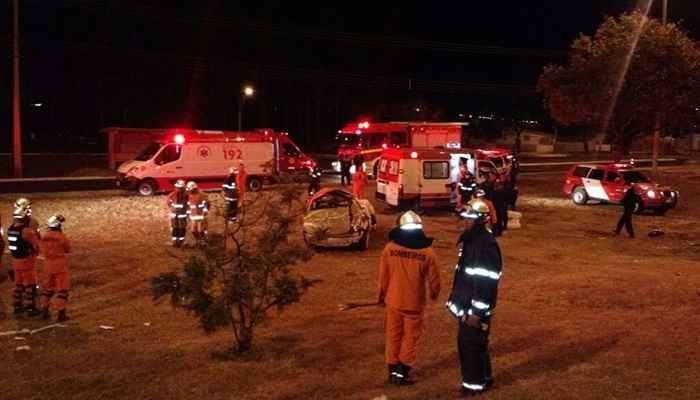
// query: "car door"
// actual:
[[169, 163], [614, 186], [594, 184]]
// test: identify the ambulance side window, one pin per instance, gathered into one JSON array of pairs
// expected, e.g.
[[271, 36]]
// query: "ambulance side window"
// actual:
[[397, 138], [436, 169], [596, 174], [376, 139], [169, 154], [581, 172]]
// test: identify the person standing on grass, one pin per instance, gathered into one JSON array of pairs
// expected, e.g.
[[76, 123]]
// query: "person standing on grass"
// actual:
[[629, 202], [473, 297], [24, 245], [242, 182], [407, 266], [345, 164], [54, 246]]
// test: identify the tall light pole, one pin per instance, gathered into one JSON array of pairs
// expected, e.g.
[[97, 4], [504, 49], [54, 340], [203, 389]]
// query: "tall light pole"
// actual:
[[657, 127], [16, 128], [248, 91]]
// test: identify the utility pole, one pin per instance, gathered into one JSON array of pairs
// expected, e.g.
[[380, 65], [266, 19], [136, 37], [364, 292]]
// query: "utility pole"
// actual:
[[16, 128], [658, 126]]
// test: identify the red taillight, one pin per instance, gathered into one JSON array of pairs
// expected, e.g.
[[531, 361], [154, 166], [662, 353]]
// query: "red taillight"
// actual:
[[179, 138]]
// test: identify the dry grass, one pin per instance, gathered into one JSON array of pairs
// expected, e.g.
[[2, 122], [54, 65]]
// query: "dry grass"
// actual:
[[581, 315]]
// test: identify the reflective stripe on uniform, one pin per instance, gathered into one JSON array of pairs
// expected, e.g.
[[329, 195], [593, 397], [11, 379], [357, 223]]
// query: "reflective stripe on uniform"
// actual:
[[473, 386], [483, 272], [480, 305], [196, 217], [12, 238]]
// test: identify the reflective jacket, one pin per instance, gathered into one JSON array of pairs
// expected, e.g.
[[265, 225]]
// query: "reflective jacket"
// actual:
[[466, 184], [199, 205], [177, 203], [23, 244], [230, 189], [477, 274]]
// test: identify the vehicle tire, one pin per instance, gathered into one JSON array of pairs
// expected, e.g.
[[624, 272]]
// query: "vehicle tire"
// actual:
[[364, 241], [254, 184], [661, 210], [579, 196], [147, 187]]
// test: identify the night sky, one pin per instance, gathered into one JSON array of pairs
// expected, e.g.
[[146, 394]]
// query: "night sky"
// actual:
[[146, 63]]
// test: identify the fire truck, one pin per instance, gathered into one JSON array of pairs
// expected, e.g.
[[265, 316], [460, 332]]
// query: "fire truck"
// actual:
[[425, 176], [206, 159], [369, 139]]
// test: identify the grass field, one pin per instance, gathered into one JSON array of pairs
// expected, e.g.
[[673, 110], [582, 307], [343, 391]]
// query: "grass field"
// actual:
[[581, 314]]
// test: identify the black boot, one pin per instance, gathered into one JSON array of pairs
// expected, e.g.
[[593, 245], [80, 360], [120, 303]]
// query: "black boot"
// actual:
[[45, 313], [403, 375], [62, 317], [393, 369]]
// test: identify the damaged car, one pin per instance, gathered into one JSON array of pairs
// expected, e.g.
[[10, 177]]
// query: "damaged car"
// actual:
[[336, 218]]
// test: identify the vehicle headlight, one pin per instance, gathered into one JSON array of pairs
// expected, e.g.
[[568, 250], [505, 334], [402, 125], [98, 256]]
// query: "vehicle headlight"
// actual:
[[651, 194]]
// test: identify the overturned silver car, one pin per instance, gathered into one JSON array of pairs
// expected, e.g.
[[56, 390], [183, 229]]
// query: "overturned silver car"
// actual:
[[336, 218]]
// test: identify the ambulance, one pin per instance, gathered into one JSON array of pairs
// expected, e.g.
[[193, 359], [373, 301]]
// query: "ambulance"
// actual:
[[426, 177], [206, 158]]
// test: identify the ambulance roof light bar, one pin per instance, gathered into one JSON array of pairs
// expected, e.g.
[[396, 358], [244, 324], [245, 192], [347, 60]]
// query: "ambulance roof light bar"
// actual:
[[179, 138]]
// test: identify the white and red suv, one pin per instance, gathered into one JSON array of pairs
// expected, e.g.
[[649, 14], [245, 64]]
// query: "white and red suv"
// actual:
[[608, 183]]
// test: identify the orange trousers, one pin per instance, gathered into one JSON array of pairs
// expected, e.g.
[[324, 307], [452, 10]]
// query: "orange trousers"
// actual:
[[402, 330], [25, 287], [57, 283]]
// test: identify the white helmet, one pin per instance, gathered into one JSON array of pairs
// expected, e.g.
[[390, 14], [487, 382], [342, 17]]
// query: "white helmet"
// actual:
[[410, 221], [476, 209], [55, 221], [191, 185]]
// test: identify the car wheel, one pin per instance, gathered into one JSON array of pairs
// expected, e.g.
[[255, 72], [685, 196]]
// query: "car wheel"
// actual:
[[147, 187], [579, 196], [254, 184], [661, 210]]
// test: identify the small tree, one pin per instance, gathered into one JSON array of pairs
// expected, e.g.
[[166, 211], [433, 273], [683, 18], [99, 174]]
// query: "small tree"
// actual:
[[632, 72], [237, 287]]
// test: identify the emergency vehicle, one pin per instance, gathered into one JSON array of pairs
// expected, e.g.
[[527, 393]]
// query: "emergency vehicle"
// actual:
[[370, 139], [608, 184], [206, 159], [426, 176]]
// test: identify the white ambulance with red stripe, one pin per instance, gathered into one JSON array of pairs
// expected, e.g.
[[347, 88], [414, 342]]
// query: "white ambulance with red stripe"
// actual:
[[206, 158], [608, 183], [426, 177]]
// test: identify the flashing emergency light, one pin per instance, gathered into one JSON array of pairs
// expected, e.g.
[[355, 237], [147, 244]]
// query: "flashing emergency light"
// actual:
[[384, 145], [179, 138], [414, 154], [363, 125]]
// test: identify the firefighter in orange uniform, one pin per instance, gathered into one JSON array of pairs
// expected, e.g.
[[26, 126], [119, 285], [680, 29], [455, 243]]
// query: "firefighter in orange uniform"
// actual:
[[359, 180], [23, 244], [54, 246], [241, 181], [199, 208], [407, 266]]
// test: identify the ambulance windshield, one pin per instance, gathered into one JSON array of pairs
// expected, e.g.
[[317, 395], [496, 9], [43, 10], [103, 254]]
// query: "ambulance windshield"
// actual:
[[634, 177], [148, 152]]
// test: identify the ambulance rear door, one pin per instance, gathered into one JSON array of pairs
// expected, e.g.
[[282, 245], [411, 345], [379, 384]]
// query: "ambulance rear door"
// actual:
[[392, 183]]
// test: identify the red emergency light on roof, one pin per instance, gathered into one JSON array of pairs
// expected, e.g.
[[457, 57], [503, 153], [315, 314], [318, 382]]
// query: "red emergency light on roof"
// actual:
[[363, 125], [414, 154], [179, 138]]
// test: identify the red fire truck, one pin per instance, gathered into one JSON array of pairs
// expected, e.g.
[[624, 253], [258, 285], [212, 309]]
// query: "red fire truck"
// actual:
[[370, 138], [206, 158]]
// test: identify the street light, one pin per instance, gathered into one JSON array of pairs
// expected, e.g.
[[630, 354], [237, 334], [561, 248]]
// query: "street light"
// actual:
[[248, 91]]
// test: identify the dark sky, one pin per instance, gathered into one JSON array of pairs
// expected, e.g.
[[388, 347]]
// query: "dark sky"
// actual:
[[165, 63]]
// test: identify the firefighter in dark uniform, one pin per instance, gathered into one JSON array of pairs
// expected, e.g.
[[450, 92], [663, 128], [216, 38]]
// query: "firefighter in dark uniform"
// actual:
[[473, 298], [345, 164], [499, 197], [314, 180], [465, 187], [629, 202], [177, 203], [230, 193], [23, 244]]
